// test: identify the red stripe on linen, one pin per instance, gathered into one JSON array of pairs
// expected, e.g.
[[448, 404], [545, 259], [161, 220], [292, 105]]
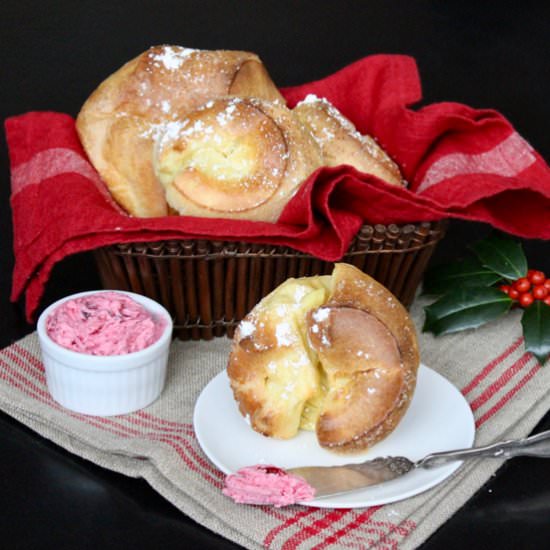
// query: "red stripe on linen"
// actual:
[[330, 518], [490, 366], [111, 426], [357, 522], [28, 388], [487, 394], [286, 512], [134, 418], [319, 525], [379, 535], [501, 381], [281, 514], [199, 460], [159, 423], [26, 354], [289, 522], [503, 400], [172, 437], [108, 424], [37, 373], [402, 529], [182, 453], [147, 416], [130, 419]]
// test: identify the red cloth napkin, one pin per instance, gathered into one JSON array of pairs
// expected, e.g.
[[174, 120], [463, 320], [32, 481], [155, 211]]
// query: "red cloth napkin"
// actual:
[[460, 163]]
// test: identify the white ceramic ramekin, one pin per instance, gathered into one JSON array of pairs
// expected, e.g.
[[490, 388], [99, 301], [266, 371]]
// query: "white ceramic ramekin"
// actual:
[[106, 385]]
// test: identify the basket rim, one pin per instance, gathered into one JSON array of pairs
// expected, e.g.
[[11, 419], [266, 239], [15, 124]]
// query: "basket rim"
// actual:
[[435, 231]]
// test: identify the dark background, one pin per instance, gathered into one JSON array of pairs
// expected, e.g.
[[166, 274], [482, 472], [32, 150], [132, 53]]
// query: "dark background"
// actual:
[[484, 54]]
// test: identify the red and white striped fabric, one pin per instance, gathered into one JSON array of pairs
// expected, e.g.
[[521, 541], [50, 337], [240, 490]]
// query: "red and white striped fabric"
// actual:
[[504, 385], [460, 162]]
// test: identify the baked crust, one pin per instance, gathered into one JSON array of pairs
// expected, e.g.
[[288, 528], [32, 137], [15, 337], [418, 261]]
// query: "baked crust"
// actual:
[[342, 143], [119, 122], [377, 343], [235, 158], [350, 357]]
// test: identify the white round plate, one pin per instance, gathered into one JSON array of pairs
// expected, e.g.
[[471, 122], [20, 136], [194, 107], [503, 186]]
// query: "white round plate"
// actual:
[[438, 419]]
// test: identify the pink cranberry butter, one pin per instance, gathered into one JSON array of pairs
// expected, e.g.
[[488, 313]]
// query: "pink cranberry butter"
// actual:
[[265, 484], [104, 323]]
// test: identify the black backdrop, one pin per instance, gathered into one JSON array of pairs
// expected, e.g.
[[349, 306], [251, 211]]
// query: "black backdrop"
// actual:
[[484, 54]]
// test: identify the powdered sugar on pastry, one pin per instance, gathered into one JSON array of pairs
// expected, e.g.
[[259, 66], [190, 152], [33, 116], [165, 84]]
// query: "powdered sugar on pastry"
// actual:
[[342, 143], [145, 99], [172, 58], [235, 158], [335, 354]]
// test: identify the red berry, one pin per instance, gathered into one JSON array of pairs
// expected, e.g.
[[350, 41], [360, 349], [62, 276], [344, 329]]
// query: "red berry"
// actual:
[[540, 292], [547, 284], [536, 277], [505, 288], [522, 284], [547, 300], [526, 299], [513, 293]]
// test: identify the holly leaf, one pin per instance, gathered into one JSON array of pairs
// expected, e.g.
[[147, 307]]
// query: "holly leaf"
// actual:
[[465, 308], [466, 273], [536, 330], [503, 255]]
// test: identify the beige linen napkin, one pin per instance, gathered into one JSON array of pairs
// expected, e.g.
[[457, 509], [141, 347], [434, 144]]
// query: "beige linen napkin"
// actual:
[[506, 389]]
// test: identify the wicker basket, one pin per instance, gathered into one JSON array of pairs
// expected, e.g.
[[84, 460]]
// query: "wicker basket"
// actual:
[[209, 286]]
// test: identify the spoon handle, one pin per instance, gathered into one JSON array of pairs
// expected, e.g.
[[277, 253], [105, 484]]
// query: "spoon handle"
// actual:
[[537, 445]]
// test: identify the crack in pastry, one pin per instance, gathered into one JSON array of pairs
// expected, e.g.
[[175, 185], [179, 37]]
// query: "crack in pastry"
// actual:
[[362, 365], [335, 354], [272, 369]]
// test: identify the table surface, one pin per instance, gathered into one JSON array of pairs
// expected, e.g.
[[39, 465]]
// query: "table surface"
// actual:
[[484, 54]]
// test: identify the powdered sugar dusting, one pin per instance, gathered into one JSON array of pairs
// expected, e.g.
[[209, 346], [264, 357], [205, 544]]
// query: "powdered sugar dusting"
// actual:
[[310, 98], [324, 133], [172, 57], [218, 127], [227, 115], [321, 314], [325, 104], [246, 329], [284, 334]]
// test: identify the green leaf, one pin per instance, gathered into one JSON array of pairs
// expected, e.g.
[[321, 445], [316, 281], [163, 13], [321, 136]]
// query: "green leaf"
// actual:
[[536, 330], [503, 255], [465, 308], [466, 273]]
